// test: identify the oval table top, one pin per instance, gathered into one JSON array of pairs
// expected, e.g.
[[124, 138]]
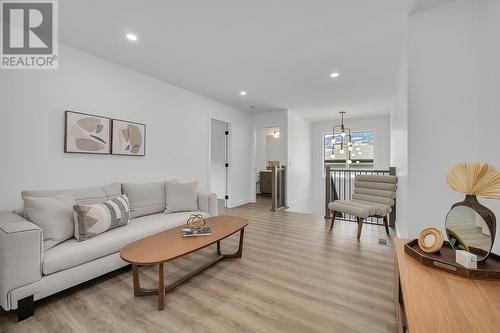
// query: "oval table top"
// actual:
[[170, 244]]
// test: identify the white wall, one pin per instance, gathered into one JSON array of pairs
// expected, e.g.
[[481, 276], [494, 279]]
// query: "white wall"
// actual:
[[265, 150], [380, 126], [218, 158], [399, 141], [489, 102], [295, 136], [32, 127], [442, 103], [299, 193], [274, 119], [453, 103], [273, 148]]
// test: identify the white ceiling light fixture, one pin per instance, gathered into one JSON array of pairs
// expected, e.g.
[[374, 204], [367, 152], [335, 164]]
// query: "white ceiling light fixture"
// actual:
[[243, 93], [276, 134], [334, 75], [131, 37]]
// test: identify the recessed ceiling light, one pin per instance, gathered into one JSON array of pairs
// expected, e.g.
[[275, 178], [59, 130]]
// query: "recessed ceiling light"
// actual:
[[131, 37], [243, 93], [334, 75]]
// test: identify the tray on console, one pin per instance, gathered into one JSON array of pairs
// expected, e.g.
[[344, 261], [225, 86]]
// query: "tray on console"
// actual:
[[445, 260]]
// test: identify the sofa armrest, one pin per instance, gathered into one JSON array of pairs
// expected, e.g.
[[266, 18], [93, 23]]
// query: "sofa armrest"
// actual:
[[207, 202], [20, 254]]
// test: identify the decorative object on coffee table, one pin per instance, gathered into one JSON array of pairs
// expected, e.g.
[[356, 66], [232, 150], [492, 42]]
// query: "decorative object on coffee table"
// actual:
[[471, 226], [196, 227], [86, 133], [129, 138], [205, 231], [196, 222], [430, 240], [168, 245]]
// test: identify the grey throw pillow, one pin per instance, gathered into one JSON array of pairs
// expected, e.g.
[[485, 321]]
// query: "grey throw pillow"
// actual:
[[181, 197], [145, 199], [92, 220], [53, 214]]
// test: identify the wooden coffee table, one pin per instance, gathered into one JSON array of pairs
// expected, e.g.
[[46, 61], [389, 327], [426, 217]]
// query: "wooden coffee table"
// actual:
[[168, 245]]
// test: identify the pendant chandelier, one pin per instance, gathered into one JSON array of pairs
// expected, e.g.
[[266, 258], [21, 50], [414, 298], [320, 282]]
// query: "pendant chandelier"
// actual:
[[345, 141]]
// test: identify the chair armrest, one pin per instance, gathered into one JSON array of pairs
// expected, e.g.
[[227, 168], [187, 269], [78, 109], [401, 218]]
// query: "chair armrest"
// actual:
[[207, 202], [20, 254]]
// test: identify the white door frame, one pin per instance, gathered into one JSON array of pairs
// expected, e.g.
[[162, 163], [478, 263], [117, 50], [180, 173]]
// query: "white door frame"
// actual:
[[253, 158], [228, 146]]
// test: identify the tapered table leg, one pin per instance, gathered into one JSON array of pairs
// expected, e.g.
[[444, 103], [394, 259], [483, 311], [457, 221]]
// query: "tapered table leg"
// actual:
[[238, 253], [138, 290], [136, 280], [161, 288]]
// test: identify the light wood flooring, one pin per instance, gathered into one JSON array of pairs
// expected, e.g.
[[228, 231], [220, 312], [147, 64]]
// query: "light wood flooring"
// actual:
[[294, 276]]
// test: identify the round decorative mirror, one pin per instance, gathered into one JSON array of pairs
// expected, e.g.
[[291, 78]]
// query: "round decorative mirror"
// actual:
[[469, 227]]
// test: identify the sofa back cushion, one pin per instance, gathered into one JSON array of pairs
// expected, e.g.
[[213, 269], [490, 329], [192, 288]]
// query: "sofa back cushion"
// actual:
[[53, 214], [92, 220], [145, 199], [181, 197], [83, 196]]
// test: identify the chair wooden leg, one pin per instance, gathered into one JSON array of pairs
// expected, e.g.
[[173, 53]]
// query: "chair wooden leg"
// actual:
[[386, 224], [360, 226], [333, 220]]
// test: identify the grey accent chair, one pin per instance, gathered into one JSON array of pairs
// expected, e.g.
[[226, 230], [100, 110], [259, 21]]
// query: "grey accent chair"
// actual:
[[373, 196]]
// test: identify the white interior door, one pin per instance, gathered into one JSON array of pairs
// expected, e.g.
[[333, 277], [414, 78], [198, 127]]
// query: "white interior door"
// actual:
[[219, 159]]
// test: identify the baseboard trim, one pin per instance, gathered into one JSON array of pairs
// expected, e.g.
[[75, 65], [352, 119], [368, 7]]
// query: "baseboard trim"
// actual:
[[239, 203], [307, 197]]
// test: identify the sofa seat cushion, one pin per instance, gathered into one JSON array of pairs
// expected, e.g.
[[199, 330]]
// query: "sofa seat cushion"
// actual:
[[72, 253], [344, 206], [359, 208]]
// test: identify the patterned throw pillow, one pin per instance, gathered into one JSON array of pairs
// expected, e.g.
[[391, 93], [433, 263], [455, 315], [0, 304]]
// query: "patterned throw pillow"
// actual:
[[92, 220]]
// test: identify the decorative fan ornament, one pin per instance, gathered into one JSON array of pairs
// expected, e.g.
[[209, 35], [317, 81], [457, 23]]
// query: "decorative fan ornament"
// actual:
[[475, 179]]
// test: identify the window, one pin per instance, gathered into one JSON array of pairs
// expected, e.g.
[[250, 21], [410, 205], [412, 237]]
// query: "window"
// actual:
[[363, 148]]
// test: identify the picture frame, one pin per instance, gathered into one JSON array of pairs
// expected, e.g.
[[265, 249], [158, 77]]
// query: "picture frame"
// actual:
[[86, 133], [128, 138]]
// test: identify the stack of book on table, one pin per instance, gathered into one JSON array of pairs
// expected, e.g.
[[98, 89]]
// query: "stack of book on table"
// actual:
[[205, 231]]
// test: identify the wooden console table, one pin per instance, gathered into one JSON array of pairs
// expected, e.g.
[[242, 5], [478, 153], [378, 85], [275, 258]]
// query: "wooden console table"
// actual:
[[431, 300]]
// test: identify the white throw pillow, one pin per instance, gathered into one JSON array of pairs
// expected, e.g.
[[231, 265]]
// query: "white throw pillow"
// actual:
[[53, 214], [181, 197]]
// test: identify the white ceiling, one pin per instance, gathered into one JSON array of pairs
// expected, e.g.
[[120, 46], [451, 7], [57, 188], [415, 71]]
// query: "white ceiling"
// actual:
[[280, 51], [423, 5]]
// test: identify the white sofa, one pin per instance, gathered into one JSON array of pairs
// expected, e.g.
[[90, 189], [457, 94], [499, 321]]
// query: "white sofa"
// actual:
[[27, 273]]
